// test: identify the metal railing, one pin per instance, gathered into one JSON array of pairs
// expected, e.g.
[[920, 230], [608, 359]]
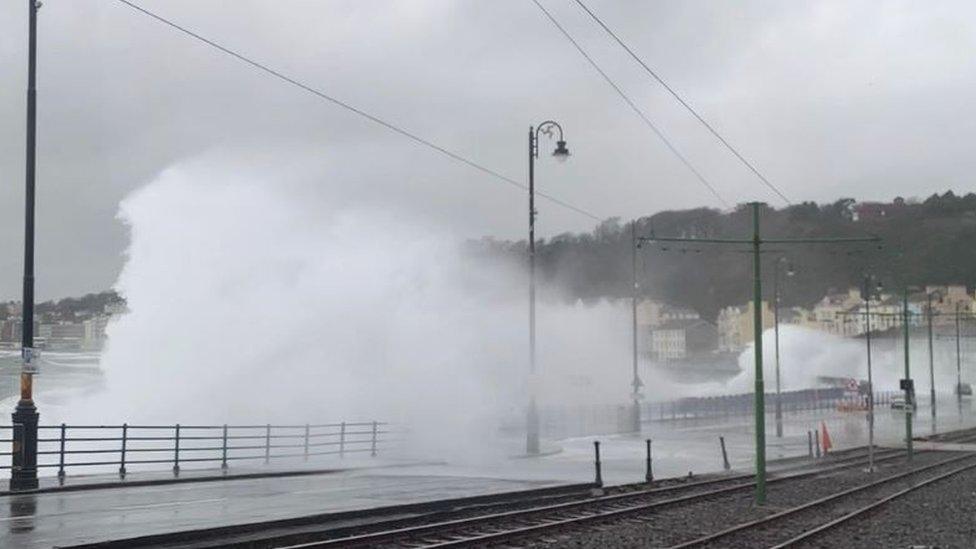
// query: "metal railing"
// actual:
[[77, 446], [581, 420], [793, 402]]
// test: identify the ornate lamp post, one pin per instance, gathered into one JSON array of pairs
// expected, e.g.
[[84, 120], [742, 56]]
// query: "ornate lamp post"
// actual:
[[23, 474], [561, 153]]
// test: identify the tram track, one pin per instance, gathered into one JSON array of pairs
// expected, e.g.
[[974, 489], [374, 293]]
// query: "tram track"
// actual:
[[803, 522], [535, 521]]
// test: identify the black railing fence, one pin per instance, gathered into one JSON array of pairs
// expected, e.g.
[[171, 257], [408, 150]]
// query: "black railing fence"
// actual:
[[792, 402], [742, 404], [64, 447], [582, 420]]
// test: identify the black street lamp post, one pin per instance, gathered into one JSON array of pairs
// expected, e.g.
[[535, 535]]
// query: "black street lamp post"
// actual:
[[636, 383], [928, 314], [561, 153], [779, 404], [868, 294], [907, 384], [23, 475], [958, 365]]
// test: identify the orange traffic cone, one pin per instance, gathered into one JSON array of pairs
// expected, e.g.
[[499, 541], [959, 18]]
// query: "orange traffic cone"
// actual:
[[827, 445]]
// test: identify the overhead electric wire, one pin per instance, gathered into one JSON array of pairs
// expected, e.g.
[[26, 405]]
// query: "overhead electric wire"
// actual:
[[685, 104], [701, 178], [371, 117]]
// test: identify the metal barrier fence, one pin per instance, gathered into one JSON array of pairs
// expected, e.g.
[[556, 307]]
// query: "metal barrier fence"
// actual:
[[72, 446], [582, 420], [792, 402], [742, 404]]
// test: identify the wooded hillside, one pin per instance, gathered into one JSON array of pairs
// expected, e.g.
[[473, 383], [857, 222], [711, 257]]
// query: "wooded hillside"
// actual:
[[923, 242]]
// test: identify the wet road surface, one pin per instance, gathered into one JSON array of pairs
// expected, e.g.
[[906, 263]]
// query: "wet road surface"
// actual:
[[59, 519]]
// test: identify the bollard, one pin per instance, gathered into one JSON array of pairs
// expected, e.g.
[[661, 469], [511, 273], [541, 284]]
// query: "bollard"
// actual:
[[372, 450], [306, 442], [61, 456], [725, 455], [267, 443], [816, 440], [223, 451], [599, 473], [649, 476], [176, 453], [125, 437], [342, 440], [810, 443]]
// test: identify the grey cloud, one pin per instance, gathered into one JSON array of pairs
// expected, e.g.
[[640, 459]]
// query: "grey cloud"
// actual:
[[864, 99]]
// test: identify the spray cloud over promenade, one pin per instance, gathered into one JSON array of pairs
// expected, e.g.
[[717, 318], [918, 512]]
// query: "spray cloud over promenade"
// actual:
[[248, 304]]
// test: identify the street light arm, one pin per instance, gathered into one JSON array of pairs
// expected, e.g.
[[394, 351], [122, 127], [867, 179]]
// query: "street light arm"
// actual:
[[699, 240], [545, 128], [761, 241], [819, 240]]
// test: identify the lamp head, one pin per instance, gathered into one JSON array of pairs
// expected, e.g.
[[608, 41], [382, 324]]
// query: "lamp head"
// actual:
[[561, 153]]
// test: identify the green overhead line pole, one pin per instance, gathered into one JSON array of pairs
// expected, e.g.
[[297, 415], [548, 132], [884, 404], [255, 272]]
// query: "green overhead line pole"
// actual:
[[757, 329], [756, 242], [928, 314]]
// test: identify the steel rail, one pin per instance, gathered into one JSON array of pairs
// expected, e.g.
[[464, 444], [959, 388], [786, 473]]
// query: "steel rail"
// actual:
[[836, 522], [816, 503], [426, 529], [557, 512]]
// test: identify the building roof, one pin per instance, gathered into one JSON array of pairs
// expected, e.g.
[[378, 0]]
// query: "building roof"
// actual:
[[682, 324], [836, 298]]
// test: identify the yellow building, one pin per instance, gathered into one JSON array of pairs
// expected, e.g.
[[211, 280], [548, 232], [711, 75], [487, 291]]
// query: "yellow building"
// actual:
[[945, 300], [735, 325], [651, 314]]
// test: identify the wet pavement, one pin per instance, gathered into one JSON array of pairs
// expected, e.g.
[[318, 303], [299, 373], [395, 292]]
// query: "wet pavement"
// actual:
[[66, 518], [691, 445], [61, 519]]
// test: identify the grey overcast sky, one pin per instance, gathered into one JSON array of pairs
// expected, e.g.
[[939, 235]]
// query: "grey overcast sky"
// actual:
[[865, 99]]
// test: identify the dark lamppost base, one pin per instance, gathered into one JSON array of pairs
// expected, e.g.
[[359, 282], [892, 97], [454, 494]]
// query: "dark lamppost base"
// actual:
[[23, 476], [635, 417], [532, 429]]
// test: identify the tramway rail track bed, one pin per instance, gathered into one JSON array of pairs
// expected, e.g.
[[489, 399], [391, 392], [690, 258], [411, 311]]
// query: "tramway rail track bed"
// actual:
[[666, 513], [649, 507], [798, 513]]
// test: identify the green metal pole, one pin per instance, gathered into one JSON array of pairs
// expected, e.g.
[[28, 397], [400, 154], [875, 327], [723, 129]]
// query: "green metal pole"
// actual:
[[779, 406], [867, 338], [760, 387], [931, 358], [909, 401], [958, 366]]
